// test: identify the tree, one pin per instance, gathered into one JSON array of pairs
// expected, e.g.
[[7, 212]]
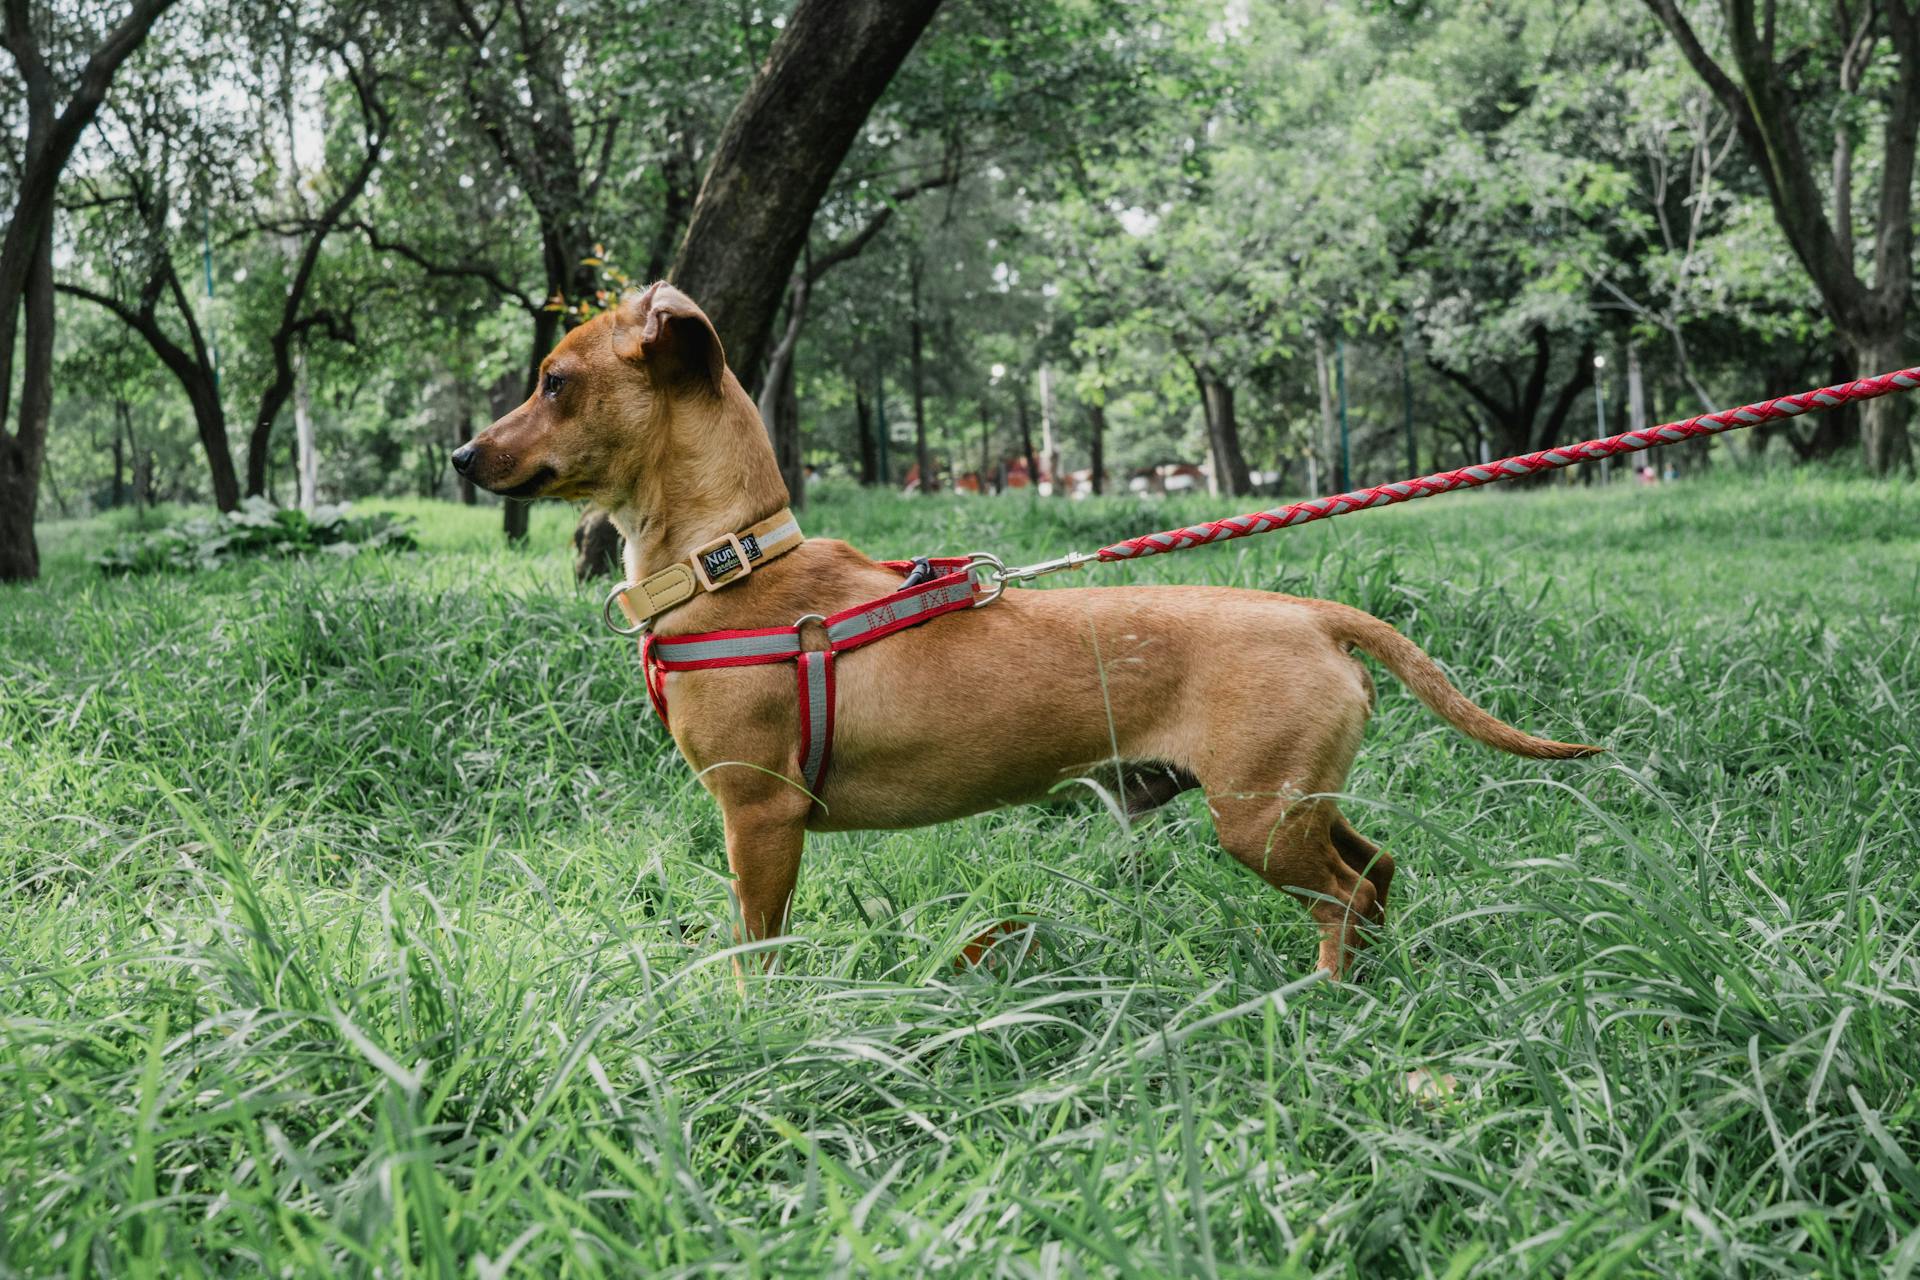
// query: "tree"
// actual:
[[774, 162], [1778, 86], [166, 148], [52, 131], [506, 117], [516, 86], [777, 155], [779, 402], [307, 234]]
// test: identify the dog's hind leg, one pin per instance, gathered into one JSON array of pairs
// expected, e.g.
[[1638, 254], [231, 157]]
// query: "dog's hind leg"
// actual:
[[1290, 845], [1365, 857], [1269, 778]]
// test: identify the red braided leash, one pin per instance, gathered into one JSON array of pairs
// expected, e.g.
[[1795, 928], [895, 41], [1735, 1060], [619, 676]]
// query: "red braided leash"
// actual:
[[1386, 495]]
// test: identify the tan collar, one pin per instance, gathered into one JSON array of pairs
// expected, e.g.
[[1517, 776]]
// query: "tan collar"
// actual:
[[725, 560]]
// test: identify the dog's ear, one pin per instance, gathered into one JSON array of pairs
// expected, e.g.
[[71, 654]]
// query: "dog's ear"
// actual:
[[664, 329]]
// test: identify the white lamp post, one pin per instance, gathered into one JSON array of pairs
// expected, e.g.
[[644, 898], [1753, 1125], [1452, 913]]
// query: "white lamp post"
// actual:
[[1600, 408]]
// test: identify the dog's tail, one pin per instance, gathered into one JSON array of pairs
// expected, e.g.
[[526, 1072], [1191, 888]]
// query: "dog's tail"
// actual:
[[1430, 684]]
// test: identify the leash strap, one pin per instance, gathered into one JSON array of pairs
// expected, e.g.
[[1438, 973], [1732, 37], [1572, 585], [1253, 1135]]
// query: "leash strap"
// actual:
[[954, 589], [1339, 504], [725, 560]]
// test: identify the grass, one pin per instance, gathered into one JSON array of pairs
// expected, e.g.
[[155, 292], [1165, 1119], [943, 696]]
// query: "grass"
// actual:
[[360, 920]]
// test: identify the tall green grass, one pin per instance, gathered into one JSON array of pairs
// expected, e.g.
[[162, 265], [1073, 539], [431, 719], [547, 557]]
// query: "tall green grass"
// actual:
[[360, 920]]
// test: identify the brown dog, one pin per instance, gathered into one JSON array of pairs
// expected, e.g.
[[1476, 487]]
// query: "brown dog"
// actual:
[[1252, 697]]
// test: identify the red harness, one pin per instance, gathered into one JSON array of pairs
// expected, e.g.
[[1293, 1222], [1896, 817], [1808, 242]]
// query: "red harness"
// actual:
[[954, 590]]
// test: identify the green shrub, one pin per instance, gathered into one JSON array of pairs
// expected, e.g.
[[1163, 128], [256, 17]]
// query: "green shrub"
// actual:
[[258, 528]]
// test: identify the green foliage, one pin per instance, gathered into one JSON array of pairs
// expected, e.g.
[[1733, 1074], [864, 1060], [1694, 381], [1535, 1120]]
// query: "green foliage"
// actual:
[[257, 529], [361, 919], [1123, 192]]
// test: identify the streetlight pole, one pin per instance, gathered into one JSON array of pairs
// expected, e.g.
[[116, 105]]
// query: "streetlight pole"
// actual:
[[1600, 408]]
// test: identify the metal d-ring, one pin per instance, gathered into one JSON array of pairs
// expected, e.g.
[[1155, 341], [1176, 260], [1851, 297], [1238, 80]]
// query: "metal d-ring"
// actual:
[[804, 619], [982, 559], [606, 612]]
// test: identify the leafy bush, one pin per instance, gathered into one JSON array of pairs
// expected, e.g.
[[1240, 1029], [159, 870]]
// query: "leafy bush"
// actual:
[[258, 528]]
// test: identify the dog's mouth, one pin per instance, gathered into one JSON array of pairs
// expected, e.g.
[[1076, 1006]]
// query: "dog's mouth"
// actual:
[[531, 486]]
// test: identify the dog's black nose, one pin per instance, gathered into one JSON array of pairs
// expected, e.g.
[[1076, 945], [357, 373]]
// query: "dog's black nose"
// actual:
[[463, 459]]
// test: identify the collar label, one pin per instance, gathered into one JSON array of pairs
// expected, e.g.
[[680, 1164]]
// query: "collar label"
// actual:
[[721, 562]]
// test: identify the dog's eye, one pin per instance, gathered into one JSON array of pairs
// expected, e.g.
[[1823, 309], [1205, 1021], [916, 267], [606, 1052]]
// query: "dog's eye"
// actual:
[[552, 384]]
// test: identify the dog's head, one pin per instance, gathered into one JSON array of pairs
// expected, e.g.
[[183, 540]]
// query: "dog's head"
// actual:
[[584, 432]]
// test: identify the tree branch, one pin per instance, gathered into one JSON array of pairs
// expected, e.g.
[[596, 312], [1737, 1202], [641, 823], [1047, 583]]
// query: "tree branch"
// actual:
[[486, 276], [854, 245], [1485, 398]]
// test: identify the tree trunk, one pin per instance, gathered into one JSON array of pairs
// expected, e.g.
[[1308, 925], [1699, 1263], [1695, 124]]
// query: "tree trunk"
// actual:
[[304, 451], [787, 451], [882, 426], [463, 432], [1836, 430], [19, 499], [1049, 446], [1636, 390], [260, 436], [780, 412], [121, 430], [678, 177], [287, 343], [1097, 433], [1524, 420], [869, 447], [210, 421], [1223, 431], [921, 454], [194, 370], [1328, 427], [1026, 437], [779, 399], [1883, 422], [508, 391], [513, 512], [986, 447], [777, 154], [24, 453]]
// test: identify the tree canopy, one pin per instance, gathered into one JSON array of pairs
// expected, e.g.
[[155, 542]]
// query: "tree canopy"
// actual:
[[1132, 236]]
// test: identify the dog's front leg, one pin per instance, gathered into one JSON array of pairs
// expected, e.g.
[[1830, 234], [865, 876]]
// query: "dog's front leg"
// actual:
[[764, 837]]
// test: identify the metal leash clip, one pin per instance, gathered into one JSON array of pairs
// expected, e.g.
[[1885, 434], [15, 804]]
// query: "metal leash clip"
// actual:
[[1027, 572], [1001, 575]]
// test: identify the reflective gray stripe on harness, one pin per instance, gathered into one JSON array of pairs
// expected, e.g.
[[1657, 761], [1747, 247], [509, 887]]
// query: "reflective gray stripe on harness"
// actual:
[[847, 631], [762, 648], [816, 717]]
